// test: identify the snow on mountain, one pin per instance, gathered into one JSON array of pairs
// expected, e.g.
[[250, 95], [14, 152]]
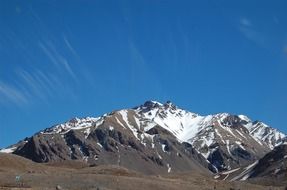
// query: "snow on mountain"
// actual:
[[272, 137], [224, 140], [272, 168], [8, 150], [210, 135], [168, 116], [73, 124], [183, 124]]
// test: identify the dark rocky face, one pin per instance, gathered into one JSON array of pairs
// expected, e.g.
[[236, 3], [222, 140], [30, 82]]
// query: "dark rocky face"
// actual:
[[235, 122], [273, 164]]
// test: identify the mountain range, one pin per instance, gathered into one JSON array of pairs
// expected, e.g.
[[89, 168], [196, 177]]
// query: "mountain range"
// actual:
[[156, 138]]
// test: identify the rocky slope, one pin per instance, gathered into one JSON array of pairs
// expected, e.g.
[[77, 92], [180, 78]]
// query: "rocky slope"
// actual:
[[155, 138], [39, 176], [272, 164], [271, 169]]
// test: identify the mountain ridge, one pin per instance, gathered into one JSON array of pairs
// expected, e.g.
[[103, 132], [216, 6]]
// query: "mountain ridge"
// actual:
[[219, 142]]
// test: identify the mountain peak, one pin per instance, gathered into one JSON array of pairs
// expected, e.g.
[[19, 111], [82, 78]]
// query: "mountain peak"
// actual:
[[152, 103], [169, 104], [155, 104]]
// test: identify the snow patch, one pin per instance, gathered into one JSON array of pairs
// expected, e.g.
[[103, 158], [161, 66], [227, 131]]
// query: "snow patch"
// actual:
[[124, 114], [229, 131], [246, 173], [87, 132], [159, 155], [220, 136], [119, 122], [99, 144], [241, 134], [240, 145], [231, 171], [277, 170], [137, 122], [226, 177], [85, 158], [163, 147], [143, 139], [168, 168], [227, 147], [74, 124], [151, 138], [245, 118], [111, 128], [216, 177], [8, 150]]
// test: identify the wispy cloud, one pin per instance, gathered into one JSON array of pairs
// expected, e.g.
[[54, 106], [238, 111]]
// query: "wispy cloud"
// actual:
[[247, 28], [137, 56], [36, 84], [140, 69], [56, 58], [82, 70], [48, 68], [70, 47], [9, 93], [33, 85], [245, 22]]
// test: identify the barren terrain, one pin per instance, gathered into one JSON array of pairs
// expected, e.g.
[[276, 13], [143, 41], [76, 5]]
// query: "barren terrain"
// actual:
[[77, 175]]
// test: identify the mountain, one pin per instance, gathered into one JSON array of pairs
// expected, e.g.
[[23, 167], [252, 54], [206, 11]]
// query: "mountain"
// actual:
[[273, 164], [155, 138], [271, 169]]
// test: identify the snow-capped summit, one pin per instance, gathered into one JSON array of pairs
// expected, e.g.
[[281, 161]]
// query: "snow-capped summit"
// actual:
[[150, 104]]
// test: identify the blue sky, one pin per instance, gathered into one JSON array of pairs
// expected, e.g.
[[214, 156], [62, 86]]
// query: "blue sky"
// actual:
[[61, 59]]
